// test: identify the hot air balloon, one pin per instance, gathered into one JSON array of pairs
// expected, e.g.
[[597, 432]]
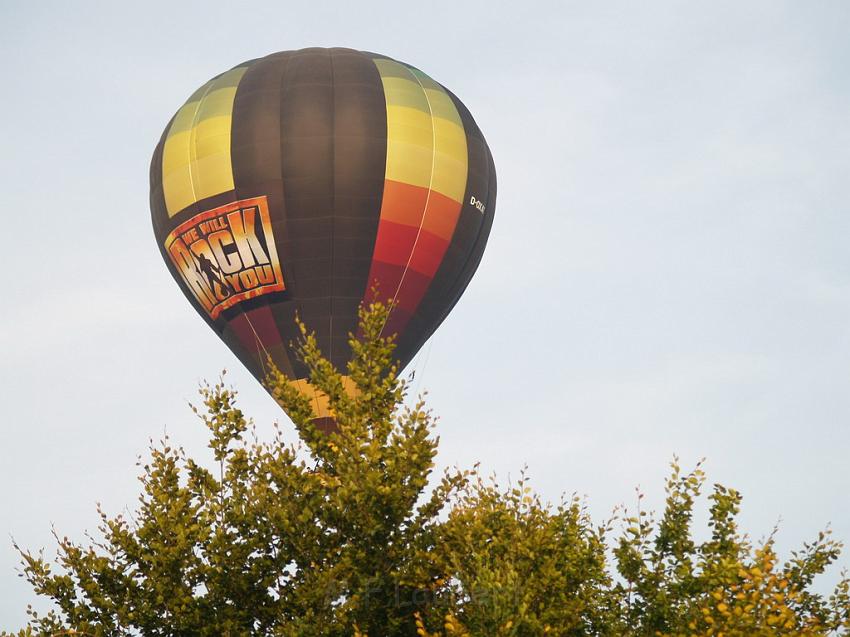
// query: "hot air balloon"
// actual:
[[300, 183]]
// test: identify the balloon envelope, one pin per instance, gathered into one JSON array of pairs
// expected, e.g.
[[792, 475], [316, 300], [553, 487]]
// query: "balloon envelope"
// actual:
[[297, 183]]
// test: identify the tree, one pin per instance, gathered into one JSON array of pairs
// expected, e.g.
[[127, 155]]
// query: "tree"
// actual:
[[544, 571], [280, 541], [341, 534], [516, 566], [674, 587]]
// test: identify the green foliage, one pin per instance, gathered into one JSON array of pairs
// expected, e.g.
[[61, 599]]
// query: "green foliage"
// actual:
[[672, 586], [344, 534], [515, 566]]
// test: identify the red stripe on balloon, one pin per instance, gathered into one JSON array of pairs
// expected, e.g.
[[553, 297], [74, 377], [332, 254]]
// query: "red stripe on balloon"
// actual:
[[393, 244], [414, 232], [256, 331]]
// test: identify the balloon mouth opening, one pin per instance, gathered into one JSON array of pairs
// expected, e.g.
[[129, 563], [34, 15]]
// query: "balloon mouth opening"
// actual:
[[325, 424]]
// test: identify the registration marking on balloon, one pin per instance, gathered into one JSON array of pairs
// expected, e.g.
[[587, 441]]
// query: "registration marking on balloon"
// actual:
[[227, 254]]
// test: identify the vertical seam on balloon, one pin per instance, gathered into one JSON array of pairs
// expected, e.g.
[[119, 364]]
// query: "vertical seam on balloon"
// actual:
[[333, 205], [280, 120], [480, 227], [260, 343], [427, 198], [286, 209], [455, 104], [193, 146]]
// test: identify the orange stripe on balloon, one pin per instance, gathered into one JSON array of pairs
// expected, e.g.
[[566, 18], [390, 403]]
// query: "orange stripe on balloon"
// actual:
[[404, 203], [442, 216]]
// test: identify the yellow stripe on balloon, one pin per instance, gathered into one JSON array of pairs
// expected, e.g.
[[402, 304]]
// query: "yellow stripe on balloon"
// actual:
[[426, 141], [410, 132], [451, 162], [196, 160]]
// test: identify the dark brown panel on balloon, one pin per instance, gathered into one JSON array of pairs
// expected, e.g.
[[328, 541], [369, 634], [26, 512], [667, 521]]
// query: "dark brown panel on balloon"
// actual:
[[360, 130], [256, 159], [306, 150]]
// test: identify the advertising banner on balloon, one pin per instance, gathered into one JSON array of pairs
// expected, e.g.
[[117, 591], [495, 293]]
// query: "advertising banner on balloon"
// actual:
[[227, 254]]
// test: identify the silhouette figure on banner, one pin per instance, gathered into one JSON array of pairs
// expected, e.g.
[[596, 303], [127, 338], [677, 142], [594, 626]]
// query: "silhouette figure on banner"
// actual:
[[213, 275]]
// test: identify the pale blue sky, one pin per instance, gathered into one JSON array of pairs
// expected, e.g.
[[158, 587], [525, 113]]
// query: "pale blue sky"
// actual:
[[668, 271]]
